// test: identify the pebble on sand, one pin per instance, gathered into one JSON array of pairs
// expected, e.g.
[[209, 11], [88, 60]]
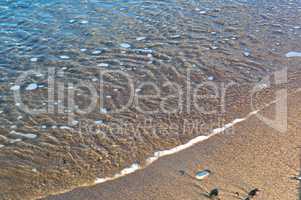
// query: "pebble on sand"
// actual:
[[15, 87], [31, 86], [292, 54], [125, 45], [202, 174]]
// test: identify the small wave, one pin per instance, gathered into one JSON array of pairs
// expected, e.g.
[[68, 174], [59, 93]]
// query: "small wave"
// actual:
[[159, 154]]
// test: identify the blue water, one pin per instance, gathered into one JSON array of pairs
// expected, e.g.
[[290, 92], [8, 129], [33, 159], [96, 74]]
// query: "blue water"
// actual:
[[152, 41]]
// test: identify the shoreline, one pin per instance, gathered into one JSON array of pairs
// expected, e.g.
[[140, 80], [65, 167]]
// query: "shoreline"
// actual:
[[213, 141], [160, 154]]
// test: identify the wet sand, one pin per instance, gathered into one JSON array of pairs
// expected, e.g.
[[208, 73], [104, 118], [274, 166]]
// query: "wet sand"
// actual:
[[251, 155]]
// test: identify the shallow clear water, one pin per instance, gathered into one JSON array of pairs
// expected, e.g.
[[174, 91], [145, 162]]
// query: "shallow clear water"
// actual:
[[149, 46]]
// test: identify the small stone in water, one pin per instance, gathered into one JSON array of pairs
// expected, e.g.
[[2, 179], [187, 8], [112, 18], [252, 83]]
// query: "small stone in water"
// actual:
[[1, 146], [83, 50], [175, 36], [15, 87], [103, 65], [34, 170], [203, 12], [65, 127], [98, 122], [247, 54], [292, 54], [31, 86], [103, 110], [213, 47], [34, 59], [24, 135], [74, 123], [64, 57], [84, 22], [96, 52], [297, 27], [140, 38], [125, 45], [210, 78]]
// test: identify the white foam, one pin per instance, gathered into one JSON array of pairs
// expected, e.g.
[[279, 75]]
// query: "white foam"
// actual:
[[126, 171], [24, 135], [292, 54], [31, 86]]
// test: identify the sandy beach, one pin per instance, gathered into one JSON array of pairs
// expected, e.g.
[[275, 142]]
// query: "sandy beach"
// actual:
[[252, 155]]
